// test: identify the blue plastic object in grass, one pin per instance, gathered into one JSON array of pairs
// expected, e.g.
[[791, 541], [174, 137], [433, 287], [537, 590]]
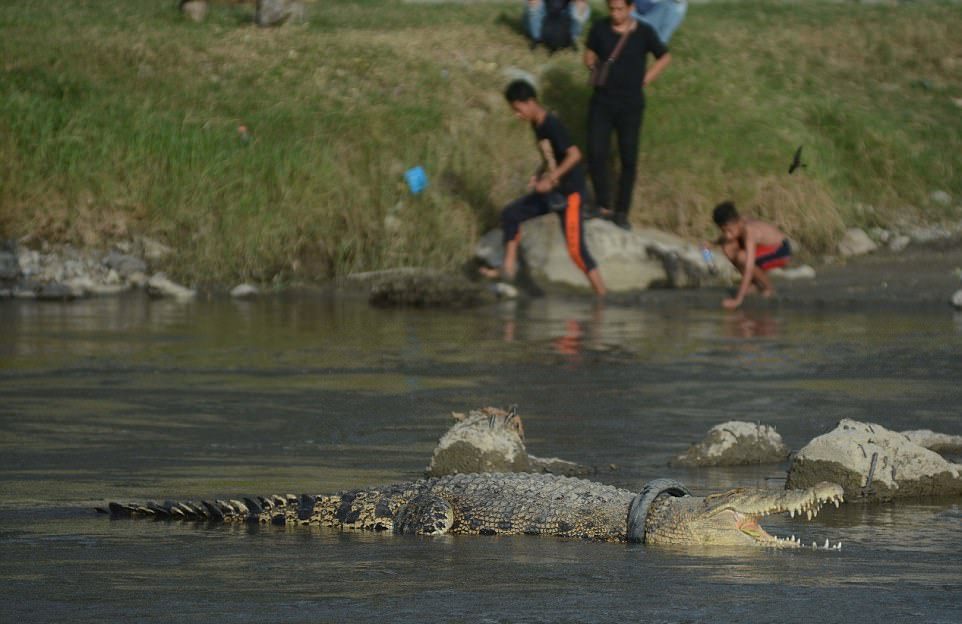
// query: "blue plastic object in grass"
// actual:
[[416, 178]]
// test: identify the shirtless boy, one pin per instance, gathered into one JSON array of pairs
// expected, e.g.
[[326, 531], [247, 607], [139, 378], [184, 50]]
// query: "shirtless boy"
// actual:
[[754, 247]]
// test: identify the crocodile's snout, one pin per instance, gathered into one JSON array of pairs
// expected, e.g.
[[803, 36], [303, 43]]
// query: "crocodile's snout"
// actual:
[[745, 508]]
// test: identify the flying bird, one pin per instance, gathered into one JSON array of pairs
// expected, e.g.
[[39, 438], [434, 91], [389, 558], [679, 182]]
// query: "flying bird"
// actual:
[[796, 161]]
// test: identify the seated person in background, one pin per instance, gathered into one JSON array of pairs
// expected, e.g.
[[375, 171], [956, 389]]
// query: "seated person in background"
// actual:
[[753, 246], [664, 15], [535, 11]]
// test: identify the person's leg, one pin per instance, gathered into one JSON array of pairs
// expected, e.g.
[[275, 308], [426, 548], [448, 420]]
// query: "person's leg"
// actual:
[[733, 252], [664, 16], [580, 12], [762, 282], [599, 138], [737, 256], [533, 18], [572, 224], [512, 216], [628, 129]]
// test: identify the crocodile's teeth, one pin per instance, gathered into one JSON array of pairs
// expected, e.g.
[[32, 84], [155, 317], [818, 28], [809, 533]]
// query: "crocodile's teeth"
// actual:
[[809, 513], [791, 513], [826, 543], [836, 503]]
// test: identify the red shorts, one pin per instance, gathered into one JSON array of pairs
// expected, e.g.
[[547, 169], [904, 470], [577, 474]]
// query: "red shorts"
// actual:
[[768, 257]]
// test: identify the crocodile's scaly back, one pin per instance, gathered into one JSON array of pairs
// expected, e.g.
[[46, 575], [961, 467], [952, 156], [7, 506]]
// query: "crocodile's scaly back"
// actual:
[[489, 503]]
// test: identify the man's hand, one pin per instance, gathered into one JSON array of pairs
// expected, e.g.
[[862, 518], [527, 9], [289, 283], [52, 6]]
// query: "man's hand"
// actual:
[[545, 184], [732, 303]]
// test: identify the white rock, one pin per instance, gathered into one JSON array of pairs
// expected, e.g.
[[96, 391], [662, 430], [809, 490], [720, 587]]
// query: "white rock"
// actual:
[[736, 443], [899, 243], [803, 271], [628, 260], [480, 441], [159, 286], [243, 291], [137, 279], [856, 243], [155, 251], [941, 197], [880, 234], [902, 468], [938, 442], [504, 290]]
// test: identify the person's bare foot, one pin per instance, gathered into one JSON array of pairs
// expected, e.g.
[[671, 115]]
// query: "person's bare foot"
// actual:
[[489, 272]]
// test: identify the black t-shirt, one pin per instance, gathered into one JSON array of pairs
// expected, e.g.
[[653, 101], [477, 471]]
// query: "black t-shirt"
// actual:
[[628, 71], [555, 132]]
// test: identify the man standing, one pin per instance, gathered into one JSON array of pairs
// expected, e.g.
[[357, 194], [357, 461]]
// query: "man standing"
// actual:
[[616, 53]]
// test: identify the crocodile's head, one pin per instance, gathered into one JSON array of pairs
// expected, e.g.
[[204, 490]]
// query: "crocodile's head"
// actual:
[[732, 518]]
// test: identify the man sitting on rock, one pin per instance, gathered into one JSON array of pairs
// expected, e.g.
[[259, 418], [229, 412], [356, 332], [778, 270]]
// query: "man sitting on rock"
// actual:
[[754, 247], [559, 186]]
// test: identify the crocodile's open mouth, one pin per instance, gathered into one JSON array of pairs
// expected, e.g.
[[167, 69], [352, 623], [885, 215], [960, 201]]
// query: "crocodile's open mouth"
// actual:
[[747, 513]]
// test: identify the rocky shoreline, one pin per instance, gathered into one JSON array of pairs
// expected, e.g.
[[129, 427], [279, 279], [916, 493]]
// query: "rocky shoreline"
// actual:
[[922, 266]]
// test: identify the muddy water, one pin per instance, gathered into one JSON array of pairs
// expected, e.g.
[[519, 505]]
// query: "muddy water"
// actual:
[[129, 399]]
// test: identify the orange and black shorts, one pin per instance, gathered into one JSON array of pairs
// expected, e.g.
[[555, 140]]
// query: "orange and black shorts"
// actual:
[[768, 257]]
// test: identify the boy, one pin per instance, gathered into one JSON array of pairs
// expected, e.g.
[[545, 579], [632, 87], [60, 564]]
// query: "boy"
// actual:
[[753, 246], [559, 185]]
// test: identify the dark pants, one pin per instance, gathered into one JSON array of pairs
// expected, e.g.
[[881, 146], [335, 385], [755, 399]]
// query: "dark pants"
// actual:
[[606, 114], [534, 205]]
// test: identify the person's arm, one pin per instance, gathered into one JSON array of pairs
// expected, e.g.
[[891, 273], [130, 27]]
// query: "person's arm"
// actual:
[[656, 68], [748, 271], [552, 177], [590, 58]]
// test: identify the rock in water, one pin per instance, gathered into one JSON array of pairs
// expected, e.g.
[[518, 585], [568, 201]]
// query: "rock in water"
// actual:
[[492, 440], [736, 443], [856, 243], [160, 286], [422, 288], [941, 443], [244, 291], [872, 463]]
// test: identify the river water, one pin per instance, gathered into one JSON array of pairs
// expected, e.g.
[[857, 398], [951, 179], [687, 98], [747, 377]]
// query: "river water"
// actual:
[[129, 399]]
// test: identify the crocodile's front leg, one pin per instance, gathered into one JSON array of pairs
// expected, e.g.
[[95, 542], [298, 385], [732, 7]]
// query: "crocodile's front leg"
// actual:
[[426, 514]]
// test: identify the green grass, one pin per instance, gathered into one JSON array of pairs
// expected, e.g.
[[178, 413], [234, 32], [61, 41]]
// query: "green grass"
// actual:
[[120, 118]]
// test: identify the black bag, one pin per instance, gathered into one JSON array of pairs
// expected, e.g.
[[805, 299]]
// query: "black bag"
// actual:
[[599, 73], [556, 27]]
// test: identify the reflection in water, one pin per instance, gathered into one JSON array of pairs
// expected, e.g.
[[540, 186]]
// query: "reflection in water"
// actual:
[[135, 399], [753, 324]]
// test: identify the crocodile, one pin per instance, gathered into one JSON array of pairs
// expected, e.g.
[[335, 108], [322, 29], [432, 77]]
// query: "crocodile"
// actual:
[[664, 512]]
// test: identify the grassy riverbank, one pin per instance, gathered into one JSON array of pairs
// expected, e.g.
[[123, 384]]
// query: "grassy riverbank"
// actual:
[[118, 118]]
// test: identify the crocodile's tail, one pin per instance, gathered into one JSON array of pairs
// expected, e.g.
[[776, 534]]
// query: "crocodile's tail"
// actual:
[[287, 509]]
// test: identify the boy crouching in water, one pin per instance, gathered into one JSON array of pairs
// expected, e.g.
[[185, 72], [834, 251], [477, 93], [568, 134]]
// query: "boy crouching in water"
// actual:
[[753, 246], [558, 186]]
